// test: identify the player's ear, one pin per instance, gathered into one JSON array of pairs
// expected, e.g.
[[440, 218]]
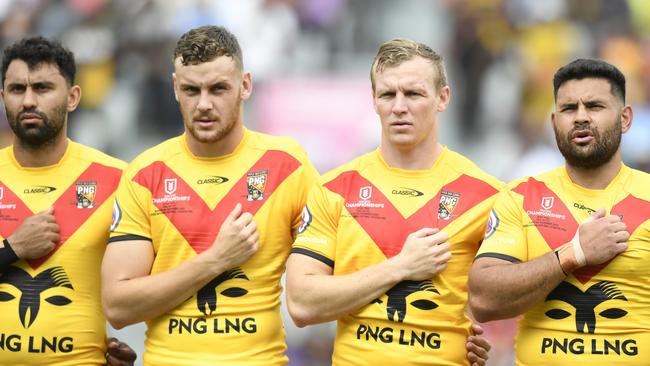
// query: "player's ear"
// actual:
[[175, 82], [444, 96], [626, 118], [246, 86], [74, 97], [553, 120]]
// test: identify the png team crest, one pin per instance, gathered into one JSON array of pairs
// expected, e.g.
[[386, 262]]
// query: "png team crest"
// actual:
[[448, 202], [256, 182], [86, 193]]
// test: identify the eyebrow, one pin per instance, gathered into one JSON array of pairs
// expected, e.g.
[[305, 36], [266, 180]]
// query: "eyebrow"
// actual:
[[221, 83], [589, 102], [34, 83]]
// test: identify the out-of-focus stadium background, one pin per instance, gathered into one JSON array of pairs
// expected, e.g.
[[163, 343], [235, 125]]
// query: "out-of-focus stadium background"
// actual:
[[310, 61]]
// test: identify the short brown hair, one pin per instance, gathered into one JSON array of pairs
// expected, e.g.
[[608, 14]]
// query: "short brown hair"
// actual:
[[398, 50], [206, 43]]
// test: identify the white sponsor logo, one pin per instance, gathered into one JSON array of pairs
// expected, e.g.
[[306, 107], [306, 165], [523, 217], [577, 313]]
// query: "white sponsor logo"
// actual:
[[311, 239], [546, 214], [365, 193], [170, 185], [547, 202], [8, 206]]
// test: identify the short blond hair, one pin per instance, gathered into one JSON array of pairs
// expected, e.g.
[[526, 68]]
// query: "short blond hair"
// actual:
[[396, 51]]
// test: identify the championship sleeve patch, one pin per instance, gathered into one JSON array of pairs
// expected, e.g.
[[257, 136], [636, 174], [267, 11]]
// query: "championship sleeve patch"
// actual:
[[306, 220], [492, 224], [116, 216]]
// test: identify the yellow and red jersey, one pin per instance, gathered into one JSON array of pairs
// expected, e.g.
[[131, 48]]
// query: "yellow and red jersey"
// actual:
[[50, 308], [178, 202], [598, 314], [361, 215]]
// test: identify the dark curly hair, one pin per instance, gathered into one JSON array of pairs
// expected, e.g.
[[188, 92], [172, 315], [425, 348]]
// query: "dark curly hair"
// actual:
[[591, 68], [38, 50], [206, 43]]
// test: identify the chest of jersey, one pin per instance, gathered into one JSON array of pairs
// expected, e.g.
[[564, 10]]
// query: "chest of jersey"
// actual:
[[599, 312]]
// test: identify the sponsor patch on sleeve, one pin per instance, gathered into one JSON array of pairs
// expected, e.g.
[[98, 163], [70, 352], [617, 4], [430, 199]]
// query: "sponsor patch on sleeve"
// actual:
[[492, 224], [306, 220], [116, 216]]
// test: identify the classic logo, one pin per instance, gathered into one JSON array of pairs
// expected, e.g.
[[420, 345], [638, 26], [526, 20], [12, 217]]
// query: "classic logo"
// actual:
[[396, 302], [547, 202], [170, 185], [256, 182], [585, 303], [207, 295], [212, 179], [306, 220], [365, 193], [448, 202], [86, 193], [31, 289], [407, 192], [39, 189], [580, 206]]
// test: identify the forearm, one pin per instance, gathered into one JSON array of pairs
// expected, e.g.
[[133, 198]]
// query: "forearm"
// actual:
[[317, 298], [132, 300], [500, 290]]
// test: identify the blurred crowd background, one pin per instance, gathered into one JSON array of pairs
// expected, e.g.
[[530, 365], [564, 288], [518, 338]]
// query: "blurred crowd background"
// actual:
[[310, 61]]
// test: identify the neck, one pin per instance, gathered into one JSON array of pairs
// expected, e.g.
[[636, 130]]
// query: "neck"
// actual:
[[419, 158], [224, 146], [45, 155], [597, 178]]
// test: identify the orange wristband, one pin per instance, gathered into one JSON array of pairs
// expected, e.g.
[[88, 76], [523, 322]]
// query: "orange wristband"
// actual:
[[567, 258]]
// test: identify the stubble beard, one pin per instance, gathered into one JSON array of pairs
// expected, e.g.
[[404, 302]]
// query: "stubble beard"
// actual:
[[223, 129]]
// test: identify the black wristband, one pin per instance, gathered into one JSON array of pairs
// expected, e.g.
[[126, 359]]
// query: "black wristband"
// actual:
[[7, 256]]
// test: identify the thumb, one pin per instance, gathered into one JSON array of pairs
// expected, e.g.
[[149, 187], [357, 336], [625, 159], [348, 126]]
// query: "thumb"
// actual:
[[235, 213], [112, 342], [477, 329], [50, 210], [600, 213]]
